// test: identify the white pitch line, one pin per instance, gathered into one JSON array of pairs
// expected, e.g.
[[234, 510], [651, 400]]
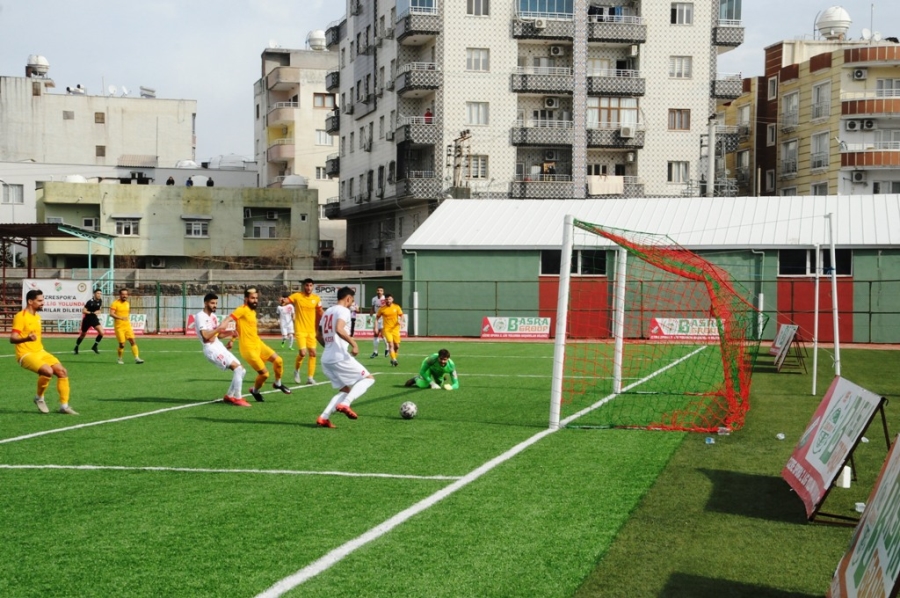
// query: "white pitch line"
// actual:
[[347, 474], [336, 555]]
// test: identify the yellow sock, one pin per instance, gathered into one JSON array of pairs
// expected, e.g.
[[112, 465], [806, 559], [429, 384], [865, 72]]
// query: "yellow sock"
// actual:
[[134, 351], [312, 366], [394, 355], [62, 385], [43, 383], [120, 351], [279, 367]]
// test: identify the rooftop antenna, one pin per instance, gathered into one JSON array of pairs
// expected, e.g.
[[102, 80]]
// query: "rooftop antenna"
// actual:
[[124, 91], [112, 90]]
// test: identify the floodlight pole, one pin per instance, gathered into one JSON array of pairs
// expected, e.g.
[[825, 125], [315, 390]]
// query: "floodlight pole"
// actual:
[[562, 312]]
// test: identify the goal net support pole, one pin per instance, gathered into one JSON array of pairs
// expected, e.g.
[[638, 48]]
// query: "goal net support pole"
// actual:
[[619, 320], [559, 344]]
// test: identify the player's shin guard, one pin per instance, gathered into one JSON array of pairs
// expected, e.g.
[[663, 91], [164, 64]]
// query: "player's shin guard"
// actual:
[[62, 386], [358, 389], [43, 383], [98, 339], [311, 366], [237, 382]]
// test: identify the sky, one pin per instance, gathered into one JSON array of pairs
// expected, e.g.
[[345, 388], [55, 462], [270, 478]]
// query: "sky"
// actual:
[[209, 50]]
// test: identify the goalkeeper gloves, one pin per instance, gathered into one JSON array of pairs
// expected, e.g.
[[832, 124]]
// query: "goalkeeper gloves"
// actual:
[[435, 386]]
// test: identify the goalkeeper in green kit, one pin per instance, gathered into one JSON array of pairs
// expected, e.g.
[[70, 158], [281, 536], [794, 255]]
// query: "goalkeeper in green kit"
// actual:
[[437, 371]]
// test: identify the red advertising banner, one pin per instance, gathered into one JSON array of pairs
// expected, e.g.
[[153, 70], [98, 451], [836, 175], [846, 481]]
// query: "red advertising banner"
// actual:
[[871, 565], [684, 329], [503, 327], [842, 415]]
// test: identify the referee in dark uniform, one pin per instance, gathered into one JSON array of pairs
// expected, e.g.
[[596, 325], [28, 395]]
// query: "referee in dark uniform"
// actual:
[[91, 320]]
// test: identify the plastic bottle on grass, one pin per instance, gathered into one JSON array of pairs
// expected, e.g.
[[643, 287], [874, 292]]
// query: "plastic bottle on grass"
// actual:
[[710, 440]]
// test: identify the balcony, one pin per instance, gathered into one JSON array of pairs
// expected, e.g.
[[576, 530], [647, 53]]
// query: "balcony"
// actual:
[[616, 82], [875, 155], [541, 186], [417, 26], [548, 79], [884, 103], [728, 138], [333, 123], [418, 130], [789, 120], [283, 78], [616, 186], [818, 161], [333, 165], [335, 32], [333, 80], [418, 79], [727, 86], [419, 184], [281, 150], [541, 132], [875, 55], [616, 29], [282, 113], [728, 33], [788, 168], [532, 25], [333, 207], [821, 110], [615, 136]]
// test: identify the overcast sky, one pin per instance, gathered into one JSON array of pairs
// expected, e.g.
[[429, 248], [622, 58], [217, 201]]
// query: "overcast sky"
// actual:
[[209, 50]]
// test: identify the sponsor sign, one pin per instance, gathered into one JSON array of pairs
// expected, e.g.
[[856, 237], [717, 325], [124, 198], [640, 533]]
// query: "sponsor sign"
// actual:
[[63, 299], [684, 329], [504, 327], [328, 293], [783, 340], [365, 326], [843, 414], [871, 565], [138, 323]]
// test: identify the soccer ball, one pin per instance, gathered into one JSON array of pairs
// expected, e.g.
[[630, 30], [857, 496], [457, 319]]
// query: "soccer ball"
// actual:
[[408, 410]]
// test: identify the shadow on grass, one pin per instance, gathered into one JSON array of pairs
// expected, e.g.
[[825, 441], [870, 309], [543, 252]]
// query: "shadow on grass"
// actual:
[[757, 496], [161, 400], [683, 584]]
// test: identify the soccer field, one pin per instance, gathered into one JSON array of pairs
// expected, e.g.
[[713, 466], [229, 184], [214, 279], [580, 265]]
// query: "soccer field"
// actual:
[[157, 489]]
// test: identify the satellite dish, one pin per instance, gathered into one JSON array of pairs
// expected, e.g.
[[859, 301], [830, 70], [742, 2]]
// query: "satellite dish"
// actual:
[[273, 43], [876, 36], [866, 34], [112, 90], [124, 91]]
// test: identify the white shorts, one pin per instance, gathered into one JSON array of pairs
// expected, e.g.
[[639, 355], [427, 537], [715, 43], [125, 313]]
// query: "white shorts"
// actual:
[[287, 328], [217, 354], [344, 373]]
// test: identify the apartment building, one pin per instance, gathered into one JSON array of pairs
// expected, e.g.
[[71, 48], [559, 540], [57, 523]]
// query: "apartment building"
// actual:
[[290, 105], [522, 99]]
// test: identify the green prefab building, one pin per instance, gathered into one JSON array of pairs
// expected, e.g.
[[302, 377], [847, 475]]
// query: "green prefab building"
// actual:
[[479, 259]]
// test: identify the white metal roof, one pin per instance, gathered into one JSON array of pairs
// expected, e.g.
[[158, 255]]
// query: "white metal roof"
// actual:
[[693, 222]]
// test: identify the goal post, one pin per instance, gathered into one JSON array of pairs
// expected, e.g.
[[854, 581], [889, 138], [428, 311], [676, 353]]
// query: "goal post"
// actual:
[[662, 339]]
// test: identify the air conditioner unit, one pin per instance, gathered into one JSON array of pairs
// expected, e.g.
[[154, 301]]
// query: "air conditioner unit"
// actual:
[[271, 215], [157, 262], [389, 33], [248, 213], [557, 51], [540, 23], [375, 243], [389, 135], [626, 132], [389, 84], [851, 125], [858, 176], [550, 155], [860, 74], [357, 199], [348, 108], [629, 157], [367, 145], [868, 124], [633, 51], [551, 102]]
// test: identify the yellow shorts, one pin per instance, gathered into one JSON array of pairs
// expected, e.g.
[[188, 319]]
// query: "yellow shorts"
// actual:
[[124, 333], [256, 357], [392, 336], [35, 361], [305, 340]]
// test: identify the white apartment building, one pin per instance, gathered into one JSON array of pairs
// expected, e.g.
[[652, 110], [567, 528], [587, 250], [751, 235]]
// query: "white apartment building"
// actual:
[[290, 104], [525, 99]]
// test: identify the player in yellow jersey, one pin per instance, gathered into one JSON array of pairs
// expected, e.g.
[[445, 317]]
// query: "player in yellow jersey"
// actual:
[[307, 313], [253, 350], [390, 314], [120, 312], [30, 353]]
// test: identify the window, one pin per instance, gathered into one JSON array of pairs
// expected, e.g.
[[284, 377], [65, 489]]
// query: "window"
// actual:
[[818, 157], [744, 116], [13, 194], [773, 88], [322, 209], [730, 10], [771, 134], [821, 100], [789, 157], [400, 227], [68, 115], [477, 59], [320, 173], [323, 100], [789, 191], [381, 127], [679, 172], [586, 262], [611, 113], [790, 110], [362, 138], [128, 228], [887, 88], [100, 151], [476, 167], [343, 146], [304, 217], [99, 117], [886, 187], [196, 228], [90, 223], [682, 13], [679, 119], [545, 7], [818, 189], [770, 180], [477, 113], [802, 262], [352, 137], [35, 88], [323, 138], [680, 67], [264, 230], [478, 8]]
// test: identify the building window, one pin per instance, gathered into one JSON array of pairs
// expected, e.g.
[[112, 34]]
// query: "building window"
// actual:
[[770, 134], [680, 67], [264, 230], [352, 138], [128, 228], [803, 262], [323, 138], [90, 223], [196, 228], [818, 189], [821, 100], [818, 157], [744, 116], [13, 194], [887, 88], [679, 172], [323, 100], [68, 115], [304, 217], [100, 151], [770, 180], [611, 113], [789, 191], [320, 173], [477, 59], [789, 157], [773, 88], [322, 209], [679, 119], [476, 167], [886, 187], [477, 113], [586, 262], [381, 127], [99, 117], [478, 8], [682, 13], [35, 88]]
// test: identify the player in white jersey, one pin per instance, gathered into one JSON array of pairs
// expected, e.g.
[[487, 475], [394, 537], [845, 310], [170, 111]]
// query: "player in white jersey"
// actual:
[[286, 319], [338, 359], [208, 331], [378, 301]]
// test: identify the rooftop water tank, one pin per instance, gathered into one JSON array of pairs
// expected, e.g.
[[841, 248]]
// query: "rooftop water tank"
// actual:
[[833, 23]]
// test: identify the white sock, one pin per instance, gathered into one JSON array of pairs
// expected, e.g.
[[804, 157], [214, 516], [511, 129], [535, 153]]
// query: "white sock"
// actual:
[[332, 404], [237, 381], [375, 344], [358, 389]]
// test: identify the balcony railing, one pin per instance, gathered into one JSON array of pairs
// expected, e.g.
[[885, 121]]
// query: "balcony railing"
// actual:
[[877, 146], [417, 67], [789, 120], [821, 110], [818, 160], [789, 167], [727, 86], [627, 82], [870, 95], [617, 29], [543, 178], [728, 32], [548, 79]]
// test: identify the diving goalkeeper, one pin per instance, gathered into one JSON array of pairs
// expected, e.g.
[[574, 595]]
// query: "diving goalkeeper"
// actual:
[[437, 371]]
